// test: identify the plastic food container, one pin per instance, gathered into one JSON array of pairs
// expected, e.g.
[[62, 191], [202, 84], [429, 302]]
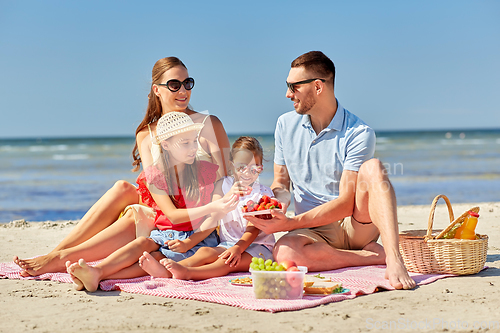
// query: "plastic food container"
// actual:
[[279, 284]]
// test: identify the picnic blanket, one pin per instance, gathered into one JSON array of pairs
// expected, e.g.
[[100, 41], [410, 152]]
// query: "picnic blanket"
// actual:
[[360, 280]]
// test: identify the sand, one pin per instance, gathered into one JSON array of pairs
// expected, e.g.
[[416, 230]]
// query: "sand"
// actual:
[[454, 304]]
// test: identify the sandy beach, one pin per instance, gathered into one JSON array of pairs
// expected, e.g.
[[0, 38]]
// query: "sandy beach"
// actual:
[[464, 303]]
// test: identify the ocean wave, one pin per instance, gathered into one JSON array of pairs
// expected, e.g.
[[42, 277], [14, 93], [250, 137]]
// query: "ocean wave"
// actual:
[[60, 157], [464, 142], [383, 139], [41, 148]]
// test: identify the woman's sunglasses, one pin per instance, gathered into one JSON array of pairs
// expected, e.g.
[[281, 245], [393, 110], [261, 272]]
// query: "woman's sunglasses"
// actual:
[[174, 85], [254, 169]]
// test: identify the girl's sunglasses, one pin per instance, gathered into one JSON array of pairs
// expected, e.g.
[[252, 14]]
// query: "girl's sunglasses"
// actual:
[[254, 169], [175, 85]]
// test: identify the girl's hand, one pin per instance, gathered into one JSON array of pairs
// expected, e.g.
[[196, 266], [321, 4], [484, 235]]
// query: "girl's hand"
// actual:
[[232, 256], [178, 246], [226, 205], [239, 190]]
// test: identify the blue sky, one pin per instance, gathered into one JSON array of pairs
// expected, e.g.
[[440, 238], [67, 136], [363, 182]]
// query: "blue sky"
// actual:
[[83, 68]]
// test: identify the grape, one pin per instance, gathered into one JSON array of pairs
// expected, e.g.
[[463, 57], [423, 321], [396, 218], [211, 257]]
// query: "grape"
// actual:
[[261, 261], [268, 262], [255, 260]]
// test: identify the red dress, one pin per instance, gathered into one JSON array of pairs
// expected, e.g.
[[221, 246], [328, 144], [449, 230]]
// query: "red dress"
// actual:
[[207, 174]]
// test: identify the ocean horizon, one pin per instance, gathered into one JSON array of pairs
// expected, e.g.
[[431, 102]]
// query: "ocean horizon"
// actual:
[[60, 178]]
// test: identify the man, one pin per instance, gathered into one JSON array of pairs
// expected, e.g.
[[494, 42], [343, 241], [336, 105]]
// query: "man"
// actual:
[[343, 197]]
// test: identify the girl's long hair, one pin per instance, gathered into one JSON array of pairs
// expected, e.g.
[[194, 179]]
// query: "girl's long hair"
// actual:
[[154, 110], [191, 190]]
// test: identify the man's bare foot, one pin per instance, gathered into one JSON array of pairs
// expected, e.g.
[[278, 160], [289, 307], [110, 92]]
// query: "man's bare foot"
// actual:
[[49, 263], [177, 270], [77, 284], [397, 274], [88, 275], [151, 266]]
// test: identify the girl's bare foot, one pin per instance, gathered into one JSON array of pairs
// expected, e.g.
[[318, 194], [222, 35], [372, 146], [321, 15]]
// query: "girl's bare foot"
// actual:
[[49, 263], [88, 275], [76, 282], [151, 266], [177, 270]]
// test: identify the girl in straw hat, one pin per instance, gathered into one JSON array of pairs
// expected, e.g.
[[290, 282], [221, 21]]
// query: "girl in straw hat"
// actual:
[[101, 231], [180, 190]]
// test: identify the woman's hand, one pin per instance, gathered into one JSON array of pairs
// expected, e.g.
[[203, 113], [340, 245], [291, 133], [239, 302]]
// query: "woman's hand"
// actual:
[[232, 256], [178, 245]]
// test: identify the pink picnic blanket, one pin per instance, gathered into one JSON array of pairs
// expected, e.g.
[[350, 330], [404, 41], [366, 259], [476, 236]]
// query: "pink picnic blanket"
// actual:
[[359, 280]]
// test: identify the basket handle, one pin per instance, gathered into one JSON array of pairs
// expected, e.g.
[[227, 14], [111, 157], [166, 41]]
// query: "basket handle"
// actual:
[[433, 209]]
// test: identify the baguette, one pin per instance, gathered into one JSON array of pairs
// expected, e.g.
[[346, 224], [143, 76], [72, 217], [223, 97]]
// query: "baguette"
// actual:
[[322, 287]]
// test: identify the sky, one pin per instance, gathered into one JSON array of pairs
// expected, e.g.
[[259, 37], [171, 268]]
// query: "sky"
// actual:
[[83, 68]]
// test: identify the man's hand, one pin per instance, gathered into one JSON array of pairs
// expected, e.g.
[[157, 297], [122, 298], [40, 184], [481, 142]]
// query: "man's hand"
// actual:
[[279, 222]]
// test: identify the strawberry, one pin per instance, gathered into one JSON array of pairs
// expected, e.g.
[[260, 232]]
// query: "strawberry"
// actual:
[[279, 205], [266, 199], [244, 209], [262, 206], [268, 206], [250, 203], [255, 207], [274, 202]]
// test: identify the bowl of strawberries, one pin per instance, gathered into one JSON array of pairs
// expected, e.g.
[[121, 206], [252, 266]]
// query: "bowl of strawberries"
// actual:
[[262, 208]]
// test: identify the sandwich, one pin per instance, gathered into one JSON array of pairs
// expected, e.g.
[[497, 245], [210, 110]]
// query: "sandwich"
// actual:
[[320, 285]]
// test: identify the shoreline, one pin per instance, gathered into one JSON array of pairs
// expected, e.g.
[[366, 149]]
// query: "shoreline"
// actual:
[[47, 306]]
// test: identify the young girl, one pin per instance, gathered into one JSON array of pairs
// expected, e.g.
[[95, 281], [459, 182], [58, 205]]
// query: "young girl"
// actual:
[[240, 240], [181, 188]]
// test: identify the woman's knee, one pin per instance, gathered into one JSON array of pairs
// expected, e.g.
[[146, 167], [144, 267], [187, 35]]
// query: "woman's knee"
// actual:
[[125, 190]]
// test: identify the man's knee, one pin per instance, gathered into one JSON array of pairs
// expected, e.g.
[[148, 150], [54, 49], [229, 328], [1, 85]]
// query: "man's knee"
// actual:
[[287, 247], [373, 175], [372, 168]]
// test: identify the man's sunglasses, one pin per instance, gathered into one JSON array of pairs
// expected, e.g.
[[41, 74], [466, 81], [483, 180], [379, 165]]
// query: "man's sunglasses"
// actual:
[[291, 86], [175, 85]]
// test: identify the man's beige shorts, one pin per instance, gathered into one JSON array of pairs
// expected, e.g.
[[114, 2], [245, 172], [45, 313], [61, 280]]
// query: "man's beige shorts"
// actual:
[[346, 234]]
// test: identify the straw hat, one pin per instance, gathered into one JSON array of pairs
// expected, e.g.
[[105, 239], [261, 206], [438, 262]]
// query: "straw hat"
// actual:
[[173, 123]]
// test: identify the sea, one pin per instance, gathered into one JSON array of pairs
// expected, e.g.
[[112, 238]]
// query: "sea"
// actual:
[[61, 178]]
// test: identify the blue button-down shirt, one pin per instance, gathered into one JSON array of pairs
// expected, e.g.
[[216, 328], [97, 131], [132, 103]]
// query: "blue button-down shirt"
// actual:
[[315, 162]]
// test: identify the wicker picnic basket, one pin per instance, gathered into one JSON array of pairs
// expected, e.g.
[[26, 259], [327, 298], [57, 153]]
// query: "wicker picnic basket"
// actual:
[[426, 251]]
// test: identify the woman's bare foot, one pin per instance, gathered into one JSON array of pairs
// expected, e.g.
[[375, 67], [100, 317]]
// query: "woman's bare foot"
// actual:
[[151, 266], [397, 274], [88, 275], [177, 270], [76, 282], [49, 263]]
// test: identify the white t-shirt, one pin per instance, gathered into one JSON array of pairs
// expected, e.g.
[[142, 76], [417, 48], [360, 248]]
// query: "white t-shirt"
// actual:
[[233, 225]]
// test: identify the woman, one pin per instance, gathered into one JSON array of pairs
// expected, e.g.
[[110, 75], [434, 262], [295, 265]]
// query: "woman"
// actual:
[[101, 231]]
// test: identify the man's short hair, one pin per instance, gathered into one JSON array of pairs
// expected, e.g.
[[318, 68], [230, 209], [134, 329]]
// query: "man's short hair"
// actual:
[[317, 63]]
